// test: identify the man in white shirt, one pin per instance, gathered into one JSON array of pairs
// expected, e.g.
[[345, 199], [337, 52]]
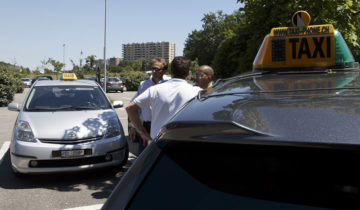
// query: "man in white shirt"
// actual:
[[159, 68], [164, 99]]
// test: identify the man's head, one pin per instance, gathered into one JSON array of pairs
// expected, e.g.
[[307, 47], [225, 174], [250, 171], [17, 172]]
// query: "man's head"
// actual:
[[180, 67], [159, 68], [204, 76]]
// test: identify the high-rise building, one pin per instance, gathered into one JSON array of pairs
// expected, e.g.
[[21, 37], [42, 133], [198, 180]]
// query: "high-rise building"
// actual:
[[149, 50]]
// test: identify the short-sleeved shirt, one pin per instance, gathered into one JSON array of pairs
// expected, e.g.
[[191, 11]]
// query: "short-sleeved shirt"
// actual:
[[145, 113], [165, 100]]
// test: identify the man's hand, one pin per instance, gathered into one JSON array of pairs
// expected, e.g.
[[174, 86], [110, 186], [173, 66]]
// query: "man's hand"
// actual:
[[132, 111], [145, 136]]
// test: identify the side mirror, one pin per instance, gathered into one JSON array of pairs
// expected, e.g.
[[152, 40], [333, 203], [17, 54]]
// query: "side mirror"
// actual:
[[13, 107], [118, 104]]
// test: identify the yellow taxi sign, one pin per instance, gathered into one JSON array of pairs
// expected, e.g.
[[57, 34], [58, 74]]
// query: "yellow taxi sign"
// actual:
[[298, 47], [68, 76]]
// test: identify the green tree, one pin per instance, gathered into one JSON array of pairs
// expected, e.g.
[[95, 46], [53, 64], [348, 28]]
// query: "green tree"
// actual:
[[36, 72], [193, 68], [55, 64], [25, 71], [202, 44], [146, 65], [90, 66]]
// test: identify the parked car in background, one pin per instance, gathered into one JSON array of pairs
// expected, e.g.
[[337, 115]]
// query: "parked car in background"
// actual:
[[113, 84], [34, 79], [123, 79], [64, 126], [26, 82], [282, 136]]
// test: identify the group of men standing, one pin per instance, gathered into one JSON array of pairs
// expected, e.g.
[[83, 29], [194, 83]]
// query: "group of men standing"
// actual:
[[157, 101]]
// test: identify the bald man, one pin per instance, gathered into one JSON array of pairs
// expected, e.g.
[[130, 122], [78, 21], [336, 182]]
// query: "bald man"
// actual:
[[204, 76]]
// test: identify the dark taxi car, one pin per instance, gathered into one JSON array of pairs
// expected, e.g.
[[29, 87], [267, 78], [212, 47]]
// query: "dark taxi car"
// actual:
[[285, 136], [34, 79]]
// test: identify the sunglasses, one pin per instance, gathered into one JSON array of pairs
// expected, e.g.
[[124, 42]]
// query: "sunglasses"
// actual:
[[156, 69], [198, 75]]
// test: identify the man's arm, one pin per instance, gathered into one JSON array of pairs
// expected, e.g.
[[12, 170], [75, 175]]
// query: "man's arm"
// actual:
[[133, 112]]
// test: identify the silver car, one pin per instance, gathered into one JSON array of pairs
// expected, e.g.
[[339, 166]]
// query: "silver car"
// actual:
[[26, 82], [66, 126]]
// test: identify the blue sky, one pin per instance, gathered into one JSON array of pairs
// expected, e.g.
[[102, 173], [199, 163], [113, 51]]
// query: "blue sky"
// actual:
[[34, 30]]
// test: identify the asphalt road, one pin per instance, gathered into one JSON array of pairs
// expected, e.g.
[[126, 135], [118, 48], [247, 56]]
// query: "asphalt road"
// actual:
[[87, 189]]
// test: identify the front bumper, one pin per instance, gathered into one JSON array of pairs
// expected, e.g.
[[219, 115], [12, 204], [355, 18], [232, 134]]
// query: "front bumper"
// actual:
[[104, 153]]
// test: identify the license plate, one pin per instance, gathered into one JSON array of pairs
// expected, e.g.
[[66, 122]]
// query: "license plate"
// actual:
[[72, 153]]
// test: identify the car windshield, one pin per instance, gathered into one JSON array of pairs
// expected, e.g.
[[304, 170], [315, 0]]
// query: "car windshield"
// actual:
[[66, 98], [25, 79]]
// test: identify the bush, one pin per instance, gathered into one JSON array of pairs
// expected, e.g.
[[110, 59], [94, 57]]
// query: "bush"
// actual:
[[133, 79], [7, 87], [18, 85]]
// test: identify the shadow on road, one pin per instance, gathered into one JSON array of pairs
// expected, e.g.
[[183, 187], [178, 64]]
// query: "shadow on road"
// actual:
[[102, 181]]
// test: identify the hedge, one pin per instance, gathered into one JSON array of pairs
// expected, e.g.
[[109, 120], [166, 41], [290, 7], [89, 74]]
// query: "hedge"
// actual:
[[10, 83]]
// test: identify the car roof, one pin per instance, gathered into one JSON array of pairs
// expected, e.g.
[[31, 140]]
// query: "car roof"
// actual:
[[65, 83]]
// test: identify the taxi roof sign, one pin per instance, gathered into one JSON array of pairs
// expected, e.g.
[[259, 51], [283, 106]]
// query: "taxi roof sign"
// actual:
[[303, 47], [68, 76]]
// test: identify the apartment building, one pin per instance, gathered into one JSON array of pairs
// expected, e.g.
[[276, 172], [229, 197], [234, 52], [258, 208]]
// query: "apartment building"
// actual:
[[149, 50]]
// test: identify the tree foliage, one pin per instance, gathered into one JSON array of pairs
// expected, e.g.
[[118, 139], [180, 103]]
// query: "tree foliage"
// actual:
[[57, 65], [10, 83], [232, 50], [202, 44]]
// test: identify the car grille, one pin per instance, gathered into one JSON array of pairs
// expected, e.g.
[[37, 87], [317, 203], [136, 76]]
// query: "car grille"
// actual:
[[70, 141], [70, 162]]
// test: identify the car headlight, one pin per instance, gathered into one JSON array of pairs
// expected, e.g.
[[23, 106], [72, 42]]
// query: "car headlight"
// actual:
[[113, 128], [24, 132]]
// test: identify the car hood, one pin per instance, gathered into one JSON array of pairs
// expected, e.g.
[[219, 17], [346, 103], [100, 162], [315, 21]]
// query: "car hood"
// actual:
[[68, 124], [329, 114]]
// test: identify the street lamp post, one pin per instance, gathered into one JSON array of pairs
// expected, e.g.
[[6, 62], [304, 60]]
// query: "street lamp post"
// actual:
[[64, 55], [105, 50]]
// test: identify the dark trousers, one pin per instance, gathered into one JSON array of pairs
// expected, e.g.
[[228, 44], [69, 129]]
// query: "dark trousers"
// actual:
[[139, 143]]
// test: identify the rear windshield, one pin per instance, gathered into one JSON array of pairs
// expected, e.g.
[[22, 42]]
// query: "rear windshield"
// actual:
[[113, 79], [227, 176], [67, 98]]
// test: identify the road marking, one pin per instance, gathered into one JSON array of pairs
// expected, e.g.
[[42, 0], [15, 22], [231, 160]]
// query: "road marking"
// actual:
[[93, 207], [126, 98], [3, 150]]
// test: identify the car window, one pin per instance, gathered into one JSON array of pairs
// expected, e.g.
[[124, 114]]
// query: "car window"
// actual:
[[228, 176], [43, 98]]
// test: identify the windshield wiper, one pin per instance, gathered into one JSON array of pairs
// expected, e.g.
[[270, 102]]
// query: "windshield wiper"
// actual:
[[39, 110], [77, 108]]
